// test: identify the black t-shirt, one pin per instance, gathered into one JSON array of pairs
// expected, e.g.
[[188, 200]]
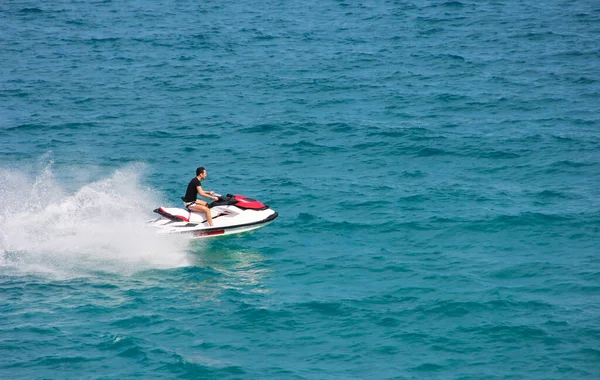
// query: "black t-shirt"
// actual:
[[192, 191]]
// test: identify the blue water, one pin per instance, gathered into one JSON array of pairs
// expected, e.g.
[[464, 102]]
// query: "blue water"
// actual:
[[435, 166]]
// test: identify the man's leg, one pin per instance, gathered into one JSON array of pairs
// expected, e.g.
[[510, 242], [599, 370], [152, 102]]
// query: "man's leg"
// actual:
[[203, 209]]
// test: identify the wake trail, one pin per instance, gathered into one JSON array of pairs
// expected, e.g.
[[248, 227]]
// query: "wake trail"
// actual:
[[98, 227]]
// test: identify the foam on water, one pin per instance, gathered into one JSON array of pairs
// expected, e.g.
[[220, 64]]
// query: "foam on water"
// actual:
[[97, 227]]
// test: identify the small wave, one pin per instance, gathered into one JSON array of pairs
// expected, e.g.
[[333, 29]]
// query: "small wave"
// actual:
[[341, 127], [76, 22], [311, 222], [572, 164], [265, 37], [104, 39], [414, 174], [31, 10], [291, 162], [563, 138], [453, 4], [137, 320], [25, 329], [551, 194], [58, 127], [534, 36], [417, 198], [119, 342], [428, 367], [584, 290], [431, 32], [396, 133], [262, 316], [369, 145], [432, 152], [391, 268], [200, 367], [527, 270], [61, 361], [585, 80], [305, 146], [507, 333], [325, 308], [500, 155], [262, 128], [502, 222], [306, 217], [426, 137]]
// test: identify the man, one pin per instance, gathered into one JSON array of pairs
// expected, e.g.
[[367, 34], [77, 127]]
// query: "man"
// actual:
[[194, 188]]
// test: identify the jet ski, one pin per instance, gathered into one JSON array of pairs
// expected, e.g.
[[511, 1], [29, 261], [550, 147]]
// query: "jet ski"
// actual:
[[231, 214]]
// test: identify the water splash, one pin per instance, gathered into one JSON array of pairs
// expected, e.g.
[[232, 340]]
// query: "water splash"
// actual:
[[97, 227]]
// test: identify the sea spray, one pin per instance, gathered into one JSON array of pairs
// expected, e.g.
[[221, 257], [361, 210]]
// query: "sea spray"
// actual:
[[98, 227]]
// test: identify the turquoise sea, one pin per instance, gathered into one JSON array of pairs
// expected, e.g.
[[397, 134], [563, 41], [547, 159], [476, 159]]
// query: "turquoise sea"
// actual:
[[435, 165]]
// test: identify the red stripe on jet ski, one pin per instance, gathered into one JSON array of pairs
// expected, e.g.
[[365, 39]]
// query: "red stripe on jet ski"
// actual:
[[209, 233], [162, 212]]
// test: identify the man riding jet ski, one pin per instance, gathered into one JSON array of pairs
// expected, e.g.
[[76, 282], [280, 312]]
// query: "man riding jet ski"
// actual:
[[232, 214], [190, 199]]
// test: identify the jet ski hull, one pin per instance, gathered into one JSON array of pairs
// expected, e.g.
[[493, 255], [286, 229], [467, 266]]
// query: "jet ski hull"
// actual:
[[232, 215], [167, 226]]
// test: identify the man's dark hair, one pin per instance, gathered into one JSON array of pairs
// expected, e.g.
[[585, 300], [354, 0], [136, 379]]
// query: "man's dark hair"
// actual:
[[200, 170]]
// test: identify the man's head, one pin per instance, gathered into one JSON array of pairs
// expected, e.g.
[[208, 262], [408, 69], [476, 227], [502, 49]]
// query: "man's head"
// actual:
[[201, 172]]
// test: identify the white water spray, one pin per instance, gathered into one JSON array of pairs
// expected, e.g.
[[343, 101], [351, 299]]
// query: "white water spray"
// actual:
[[99, 227]]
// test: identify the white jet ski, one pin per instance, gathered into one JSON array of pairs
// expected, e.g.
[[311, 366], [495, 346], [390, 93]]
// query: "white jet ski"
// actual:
[[232, 214]]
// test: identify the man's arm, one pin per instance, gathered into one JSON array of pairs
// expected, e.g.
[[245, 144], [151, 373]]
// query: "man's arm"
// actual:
[[206, 194]]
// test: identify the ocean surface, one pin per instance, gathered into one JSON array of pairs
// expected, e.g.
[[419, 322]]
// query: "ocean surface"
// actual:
[[435, 166]]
